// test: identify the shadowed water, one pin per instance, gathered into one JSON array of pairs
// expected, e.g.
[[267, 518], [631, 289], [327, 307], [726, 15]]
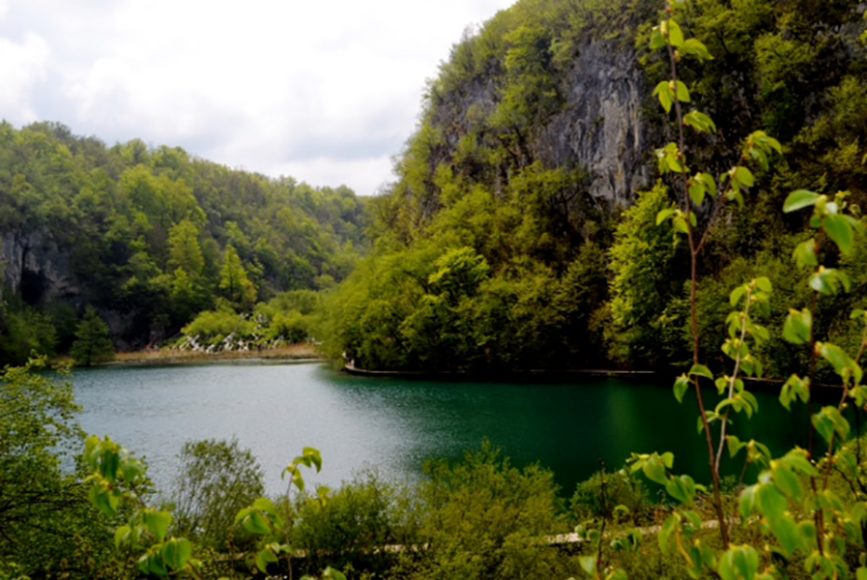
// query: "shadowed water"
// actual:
[[395, 425]]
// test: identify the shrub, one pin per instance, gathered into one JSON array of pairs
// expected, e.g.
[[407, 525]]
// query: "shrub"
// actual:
[[603, 491], [216, 480], [484, 518], [361, 516]]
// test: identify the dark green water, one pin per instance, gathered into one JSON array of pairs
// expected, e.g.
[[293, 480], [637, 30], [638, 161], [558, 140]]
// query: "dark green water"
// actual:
[[395, 425]]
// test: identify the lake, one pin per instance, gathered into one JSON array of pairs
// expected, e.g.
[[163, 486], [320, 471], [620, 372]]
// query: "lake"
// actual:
[[395, 425]]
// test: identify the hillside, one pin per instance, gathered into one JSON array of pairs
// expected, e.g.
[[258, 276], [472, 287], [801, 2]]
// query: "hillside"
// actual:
[[144, 236], [512, 238]]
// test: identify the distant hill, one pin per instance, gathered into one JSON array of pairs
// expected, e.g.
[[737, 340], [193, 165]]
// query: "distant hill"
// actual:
[[142, 234]]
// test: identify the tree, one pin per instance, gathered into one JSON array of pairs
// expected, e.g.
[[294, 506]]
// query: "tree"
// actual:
[[184, 249], [92, 340], [235, 286], [44, 514]]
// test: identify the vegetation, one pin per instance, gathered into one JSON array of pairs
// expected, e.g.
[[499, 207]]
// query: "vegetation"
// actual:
[[545, 275], [149, 238], [92, 341], [491, 259]]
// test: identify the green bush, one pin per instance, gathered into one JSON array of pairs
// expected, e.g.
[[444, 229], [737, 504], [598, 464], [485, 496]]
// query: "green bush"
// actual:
[[219, 329], [361, 516], [484, 518], [216, 480], [598, 496]]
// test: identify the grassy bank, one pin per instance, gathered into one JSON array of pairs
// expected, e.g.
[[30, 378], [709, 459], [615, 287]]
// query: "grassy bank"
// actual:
[[295, 352]]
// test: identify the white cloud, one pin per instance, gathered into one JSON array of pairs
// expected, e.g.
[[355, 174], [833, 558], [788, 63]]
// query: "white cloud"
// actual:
[[325, 91], [22, 67]]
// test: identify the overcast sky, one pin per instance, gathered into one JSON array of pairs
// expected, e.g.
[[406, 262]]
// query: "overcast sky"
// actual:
[[326, 91]]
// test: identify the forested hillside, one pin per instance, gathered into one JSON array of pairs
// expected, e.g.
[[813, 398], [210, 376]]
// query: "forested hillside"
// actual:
[[149, 237], [521, 232]]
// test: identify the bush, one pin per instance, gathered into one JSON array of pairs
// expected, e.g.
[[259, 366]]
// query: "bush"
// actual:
[[484, 518], [216, 480], [363, 515], [603, 491], [219, 329]]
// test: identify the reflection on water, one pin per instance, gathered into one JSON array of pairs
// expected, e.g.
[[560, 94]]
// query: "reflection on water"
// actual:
[[395, 425]]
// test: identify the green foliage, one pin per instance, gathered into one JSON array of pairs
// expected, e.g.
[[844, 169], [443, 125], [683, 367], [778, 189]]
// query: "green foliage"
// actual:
[[235, 286], [92, 341], [351, 527], [25, 332], [216, 480], [642, 259], [481, 518], [117, 481], [141, 235], [621, 488], [48, 526]]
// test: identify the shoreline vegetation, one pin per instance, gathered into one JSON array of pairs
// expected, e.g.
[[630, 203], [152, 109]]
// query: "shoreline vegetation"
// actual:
[[295, 353]]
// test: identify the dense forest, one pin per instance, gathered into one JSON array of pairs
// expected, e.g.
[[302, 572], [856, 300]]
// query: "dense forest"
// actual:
[[508, 242], [149, 237], [521, 232]]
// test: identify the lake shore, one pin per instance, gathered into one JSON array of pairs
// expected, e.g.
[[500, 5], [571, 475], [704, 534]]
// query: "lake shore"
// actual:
[[293, 353]]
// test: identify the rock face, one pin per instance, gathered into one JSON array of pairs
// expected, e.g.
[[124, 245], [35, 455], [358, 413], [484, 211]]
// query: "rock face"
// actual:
[[36, 269], [598, 127], [601, 127]]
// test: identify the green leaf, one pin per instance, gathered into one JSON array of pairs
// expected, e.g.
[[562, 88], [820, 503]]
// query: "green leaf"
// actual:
[[829, 281], [734, 445], [315, 457], [255, 523], [829, 422], [696, 49], [697, 191], [588, 564], [675, 33], [798, 460], [736, 295], [764, 284], [331, 574], [795, 387], [842, 362], [743, 177], [263, 558], [657, 40], [681, 385], [805, 254], [121, 536], [739, 563], [157, 523], [787, 482], [799, 199], [664, 215], [666, 532], [681, 488], [700, 122], [665, 95], [682, 92], [177, 552], [798, 328], [701, 371], [840, 231]]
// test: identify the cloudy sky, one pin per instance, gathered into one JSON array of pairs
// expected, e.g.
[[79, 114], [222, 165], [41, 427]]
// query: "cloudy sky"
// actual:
[[326, 91]]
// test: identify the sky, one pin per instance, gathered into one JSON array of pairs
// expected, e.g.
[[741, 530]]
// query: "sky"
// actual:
[[325, 91]]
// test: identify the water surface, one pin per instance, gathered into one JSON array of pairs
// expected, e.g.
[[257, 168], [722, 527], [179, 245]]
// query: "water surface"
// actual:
[[394, 425]]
